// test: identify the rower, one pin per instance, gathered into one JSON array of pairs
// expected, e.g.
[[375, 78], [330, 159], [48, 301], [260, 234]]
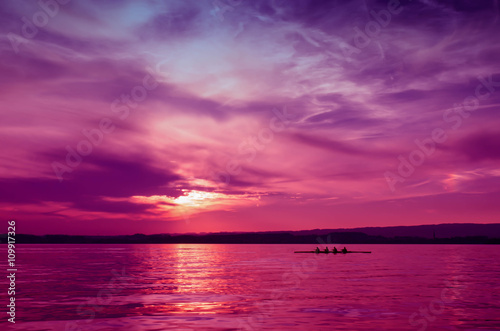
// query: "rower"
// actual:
[[344, 250], [326, 250], [335, 251], [317, 250]]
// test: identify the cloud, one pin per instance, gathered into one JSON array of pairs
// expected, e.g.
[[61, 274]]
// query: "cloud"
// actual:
[[339, 146], [218, 83], [480, 146], [85, 188]]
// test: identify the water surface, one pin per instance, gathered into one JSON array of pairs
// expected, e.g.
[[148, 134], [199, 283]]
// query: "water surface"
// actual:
[[254, 287]]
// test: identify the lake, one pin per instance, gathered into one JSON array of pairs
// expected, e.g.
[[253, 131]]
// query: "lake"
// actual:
[[255, 287]]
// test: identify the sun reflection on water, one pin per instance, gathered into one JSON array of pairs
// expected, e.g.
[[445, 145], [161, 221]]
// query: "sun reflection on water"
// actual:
[[187, 279]]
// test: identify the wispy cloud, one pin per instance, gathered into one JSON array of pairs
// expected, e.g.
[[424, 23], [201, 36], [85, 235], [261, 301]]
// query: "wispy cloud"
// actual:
[[216, 83]]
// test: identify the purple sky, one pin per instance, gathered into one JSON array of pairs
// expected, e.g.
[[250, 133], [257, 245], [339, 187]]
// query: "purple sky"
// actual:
[[120, 117]]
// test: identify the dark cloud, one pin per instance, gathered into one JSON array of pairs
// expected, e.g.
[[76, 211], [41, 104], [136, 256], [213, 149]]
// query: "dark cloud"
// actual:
[[480, 146], [339, 146], [100, 205], [99, 177]]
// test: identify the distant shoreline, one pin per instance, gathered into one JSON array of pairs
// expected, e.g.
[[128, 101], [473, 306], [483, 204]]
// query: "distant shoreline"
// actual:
[[337, 238], [186, 243], [451, 233]]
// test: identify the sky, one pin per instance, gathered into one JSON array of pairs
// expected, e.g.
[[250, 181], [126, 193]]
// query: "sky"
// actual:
[[123, 117]]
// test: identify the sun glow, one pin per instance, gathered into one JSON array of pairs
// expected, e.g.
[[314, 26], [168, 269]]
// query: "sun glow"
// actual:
[[194, 201], [198, 198]]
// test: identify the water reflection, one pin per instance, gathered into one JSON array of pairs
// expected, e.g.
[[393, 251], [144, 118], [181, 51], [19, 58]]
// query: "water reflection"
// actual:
[[160, 287], [185, 279]]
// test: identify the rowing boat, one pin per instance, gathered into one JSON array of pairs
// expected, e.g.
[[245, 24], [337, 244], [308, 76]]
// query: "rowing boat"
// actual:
[[339, 252]]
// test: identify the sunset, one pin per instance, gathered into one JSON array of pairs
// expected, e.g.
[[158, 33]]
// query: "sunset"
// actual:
[[162, 121]]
